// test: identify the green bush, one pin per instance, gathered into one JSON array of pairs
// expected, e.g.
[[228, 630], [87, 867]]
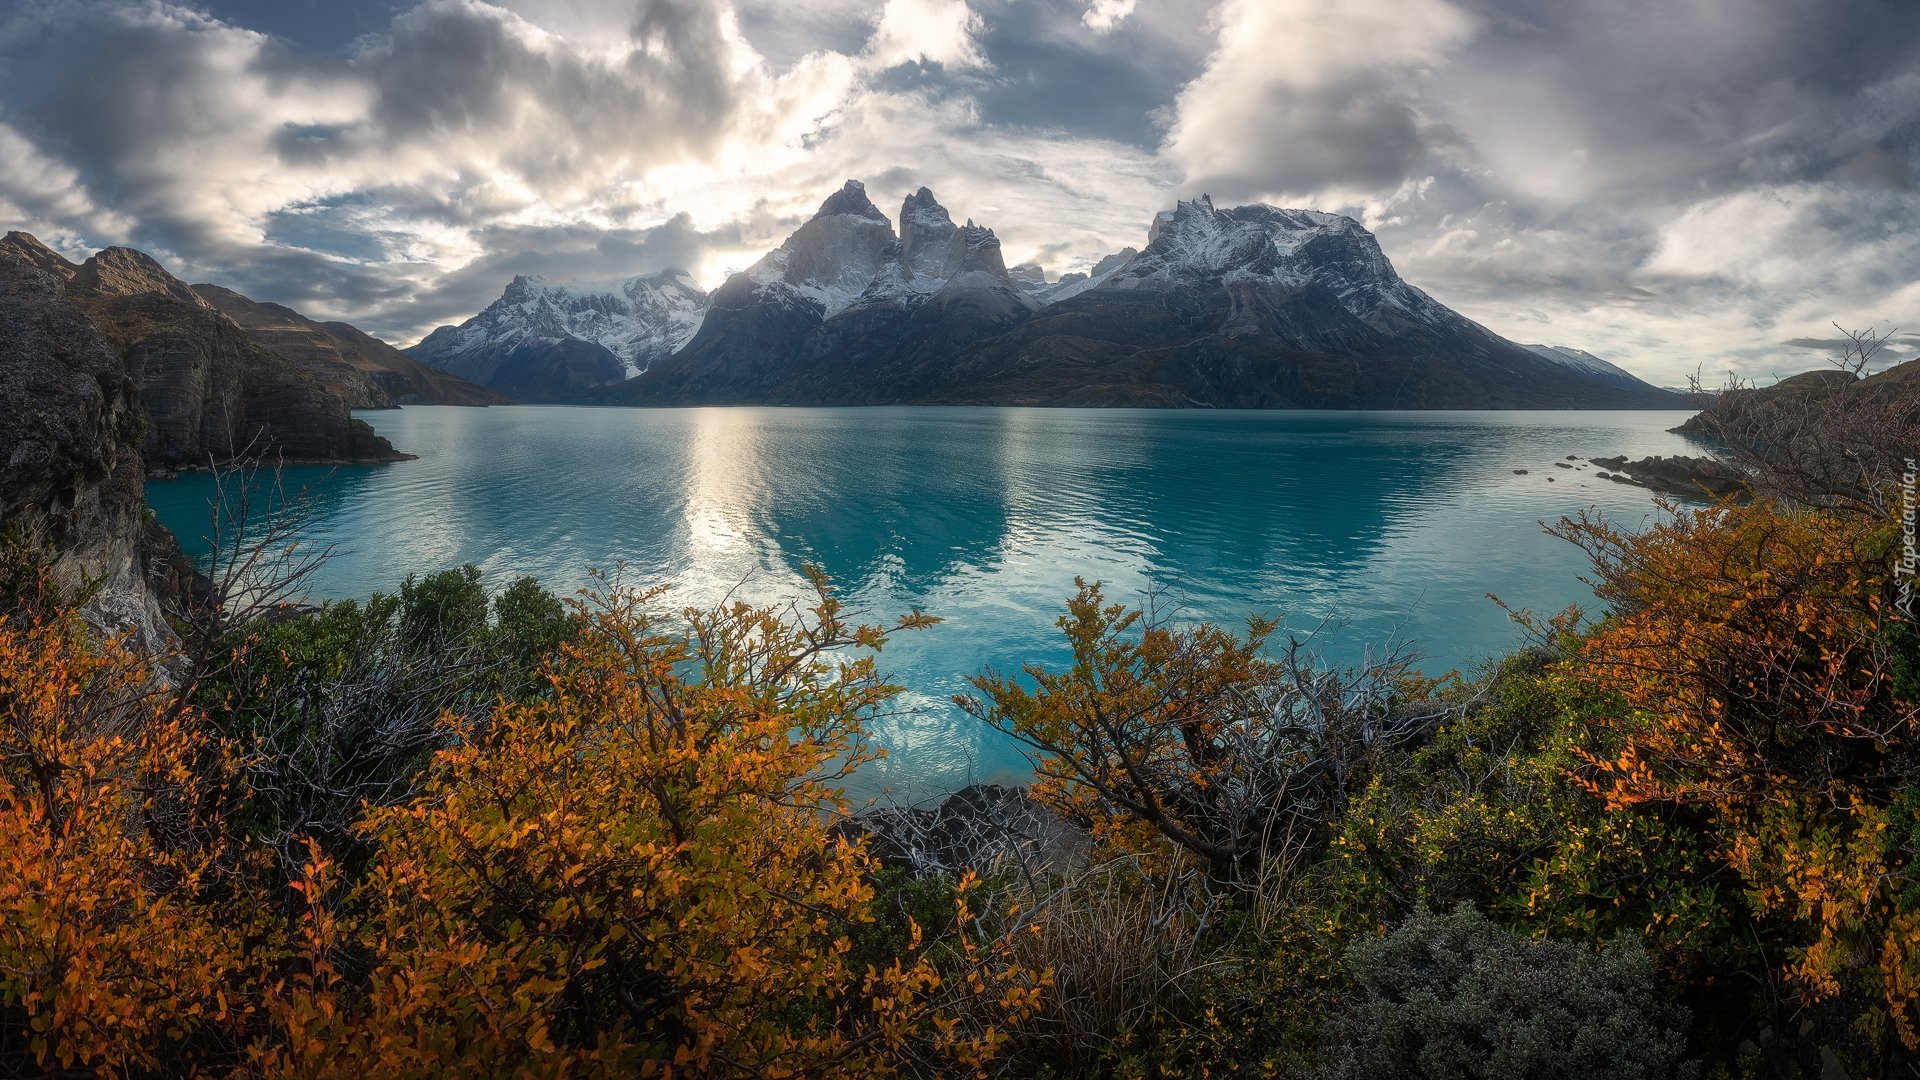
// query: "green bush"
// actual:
[[1454, 997]]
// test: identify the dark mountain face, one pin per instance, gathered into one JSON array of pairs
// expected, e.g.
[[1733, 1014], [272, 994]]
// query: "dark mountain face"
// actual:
[[368, 372], [208, 391], [70, 464], [1249, 307]]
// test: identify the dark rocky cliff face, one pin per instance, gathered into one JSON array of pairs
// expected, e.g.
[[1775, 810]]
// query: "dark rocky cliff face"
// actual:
[[71, 471], [367, 372], [209, 391]]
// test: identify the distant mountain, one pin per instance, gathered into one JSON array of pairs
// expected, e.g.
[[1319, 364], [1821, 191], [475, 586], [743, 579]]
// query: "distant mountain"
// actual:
[[845, 311], [1583, 361], [207, 390], [1072, 285], [1250, 307], [548, 342], [368, 372]]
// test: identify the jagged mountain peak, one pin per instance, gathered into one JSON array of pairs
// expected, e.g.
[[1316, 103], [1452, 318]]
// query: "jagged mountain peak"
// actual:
[[123, 271], [923, 221], [28, 248], [588, 336], [850, 201]]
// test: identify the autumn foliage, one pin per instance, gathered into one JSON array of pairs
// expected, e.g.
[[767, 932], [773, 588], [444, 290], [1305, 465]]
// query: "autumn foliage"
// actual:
[[633, 872], [1753, 652], [127, 936], [438, 835]]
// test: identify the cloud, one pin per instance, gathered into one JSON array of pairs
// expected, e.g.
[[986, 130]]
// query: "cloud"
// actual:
[[927, 32], [1313, 95], [1663, 184], [1104, 15]]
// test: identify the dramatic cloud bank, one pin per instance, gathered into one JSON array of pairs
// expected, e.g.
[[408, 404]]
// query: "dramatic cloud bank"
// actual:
[[1668, 185]]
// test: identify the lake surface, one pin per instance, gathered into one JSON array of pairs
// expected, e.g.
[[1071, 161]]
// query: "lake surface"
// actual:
[[1367, 527]]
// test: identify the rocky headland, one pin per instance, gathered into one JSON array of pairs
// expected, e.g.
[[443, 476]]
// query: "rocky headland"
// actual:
[[209, 392], [71, 470]]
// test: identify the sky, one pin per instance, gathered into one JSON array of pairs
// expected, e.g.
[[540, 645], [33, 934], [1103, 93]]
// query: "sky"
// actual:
[[1674, 185]]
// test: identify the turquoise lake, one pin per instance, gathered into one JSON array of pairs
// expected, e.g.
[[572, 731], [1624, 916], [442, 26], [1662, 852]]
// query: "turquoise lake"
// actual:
[[1365, 528]]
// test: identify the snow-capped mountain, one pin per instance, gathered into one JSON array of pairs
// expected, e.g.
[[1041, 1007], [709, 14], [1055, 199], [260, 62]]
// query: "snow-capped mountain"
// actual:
[[1293, 249], [1072, 285], [542, 341], [844, 301], [1250, 306]]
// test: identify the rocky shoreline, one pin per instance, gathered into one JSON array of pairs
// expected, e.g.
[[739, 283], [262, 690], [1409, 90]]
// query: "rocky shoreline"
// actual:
[[1691, 477]]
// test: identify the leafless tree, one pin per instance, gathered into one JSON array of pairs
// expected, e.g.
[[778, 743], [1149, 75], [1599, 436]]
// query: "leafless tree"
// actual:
[[1833, 439]]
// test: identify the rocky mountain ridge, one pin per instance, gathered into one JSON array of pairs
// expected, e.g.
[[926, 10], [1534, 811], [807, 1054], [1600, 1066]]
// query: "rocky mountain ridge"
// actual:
[[71, 471], [367, 372], [208, 392], [845, 311]]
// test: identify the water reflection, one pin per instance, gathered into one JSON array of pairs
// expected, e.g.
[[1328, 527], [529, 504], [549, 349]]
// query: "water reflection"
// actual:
[[1387, 523]]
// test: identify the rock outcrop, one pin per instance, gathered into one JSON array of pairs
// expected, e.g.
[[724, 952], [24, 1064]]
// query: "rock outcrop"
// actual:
[[71, 472], [209, 392], [1820, 437], [367, 372], [1692, 477]]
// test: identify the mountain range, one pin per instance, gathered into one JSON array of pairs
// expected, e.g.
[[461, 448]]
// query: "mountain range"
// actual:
[[1243, 307]]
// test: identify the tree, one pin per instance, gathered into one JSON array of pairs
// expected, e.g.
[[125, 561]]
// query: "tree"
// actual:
[[1195, 736], [342, 707]]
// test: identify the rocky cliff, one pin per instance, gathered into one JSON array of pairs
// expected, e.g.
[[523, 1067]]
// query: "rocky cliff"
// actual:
[[367, 372], [71, 471], [208, 390]]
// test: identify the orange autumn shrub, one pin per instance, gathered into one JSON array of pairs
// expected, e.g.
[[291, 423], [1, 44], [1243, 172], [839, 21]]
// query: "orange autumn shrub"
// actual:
[[1751, 651], [124, 946], [637, 874]]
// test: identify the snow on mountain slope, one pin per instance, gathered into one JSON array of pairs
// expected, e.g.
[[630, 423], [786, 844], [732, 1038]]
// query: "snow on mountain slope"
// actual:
[[832, 259], [648, 318], [1196, 244], [1579, 360], [847, 260], [1071, 285]]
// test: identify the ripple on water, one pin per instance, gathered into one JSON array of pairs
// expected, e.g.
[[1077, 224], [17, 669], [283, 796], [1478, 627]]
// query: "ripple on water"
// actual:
[[1363, 526]]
